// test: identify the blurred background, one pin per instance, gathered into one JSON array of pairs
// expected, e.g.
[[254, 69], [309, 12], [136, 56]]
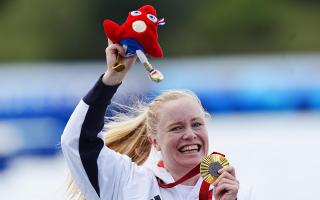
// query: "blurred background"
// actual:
[[254, 64]]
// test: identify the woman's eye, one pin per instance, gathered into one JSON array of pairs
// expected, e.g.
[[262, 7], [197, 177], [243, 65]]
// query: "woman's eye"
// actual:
[[135, 13], [152, 18], [177, 128], [197, 124]]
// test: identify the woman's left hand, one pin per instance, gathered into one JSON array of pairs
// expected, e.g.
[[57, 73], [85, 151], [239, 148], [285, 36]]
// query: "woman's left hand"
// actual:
[[226, 186]]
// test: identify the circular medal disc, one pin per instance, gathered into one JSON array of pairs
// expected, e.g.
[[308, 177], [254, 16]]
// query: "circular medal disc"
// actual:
[[210, 165]]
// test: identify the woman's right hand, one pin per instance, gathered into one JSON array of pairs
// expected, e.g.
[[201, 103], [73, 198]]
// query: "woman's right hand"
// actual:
[[112, 77]]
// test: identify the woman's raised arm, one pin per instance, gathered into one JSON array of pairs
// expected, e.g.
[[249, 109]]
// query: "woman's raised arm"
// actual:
[[93, 167]]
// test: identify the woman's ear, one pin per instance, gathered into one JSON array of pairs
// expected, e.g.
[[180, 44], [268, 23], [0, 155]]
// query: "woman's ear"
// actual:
[[154, 141]]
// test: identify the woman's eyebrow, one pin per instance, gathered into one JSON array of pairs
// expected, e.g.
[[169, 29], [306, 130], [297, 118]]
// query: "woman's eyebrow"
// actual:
[[197, 118], [174, 124]]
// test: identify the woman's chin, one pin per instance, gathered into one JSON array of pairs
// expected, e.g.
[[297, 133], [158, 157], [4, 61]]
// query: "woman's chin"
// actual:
[[195, 156], [190, 162]]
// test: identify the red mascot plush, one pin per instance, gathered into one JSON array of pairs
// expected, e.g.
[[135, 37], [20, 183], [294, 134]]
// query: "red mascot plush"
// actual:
[[138, 35]]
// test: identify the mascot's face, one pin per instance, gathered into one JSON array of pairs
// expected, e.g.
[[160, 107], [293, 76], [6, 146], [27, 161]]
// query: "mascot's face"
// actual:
[[143, 20]]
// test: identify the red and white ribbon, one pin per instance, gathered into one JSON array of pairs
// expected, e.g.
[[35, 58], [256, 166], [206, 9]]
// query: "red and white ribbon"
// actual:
[[161, 22]]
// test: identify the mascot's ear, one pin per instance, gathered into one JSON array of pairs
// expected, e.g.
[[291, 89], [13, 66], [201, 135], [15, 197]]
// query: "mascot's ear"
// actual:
[[112, 30]]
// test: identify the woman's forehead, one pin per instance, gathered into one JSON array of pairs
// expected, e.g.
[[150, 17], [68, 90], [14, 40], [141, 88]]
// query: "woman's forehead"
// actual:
[[180, 109]]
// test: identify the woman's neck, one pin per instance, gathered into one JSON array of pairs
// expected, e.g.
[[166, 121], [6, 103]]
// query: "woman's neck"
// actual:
[[177, 174]]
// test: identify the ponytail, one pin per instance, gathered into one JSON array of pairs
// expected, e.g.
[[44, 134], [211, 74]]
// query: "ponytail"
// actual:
[[128, 135]]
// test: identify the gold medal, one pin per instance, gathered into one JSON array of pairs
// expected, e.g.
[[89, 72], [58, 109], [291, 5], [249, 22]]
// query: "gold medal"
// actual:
[[210, 165]]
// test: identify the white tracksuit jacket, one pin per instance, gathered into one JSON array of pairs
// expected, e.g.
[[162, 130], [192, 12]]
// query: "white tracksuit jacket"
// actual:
[[104, 174]]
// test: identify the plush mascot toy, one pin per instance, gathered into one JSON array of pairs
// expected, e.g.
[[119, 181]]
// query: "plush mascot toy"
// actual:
[[138, 35]]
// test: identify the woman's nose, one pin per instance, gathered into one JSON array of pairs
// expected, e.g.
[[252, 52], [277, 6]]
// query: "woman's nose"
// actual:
[[189, 134]]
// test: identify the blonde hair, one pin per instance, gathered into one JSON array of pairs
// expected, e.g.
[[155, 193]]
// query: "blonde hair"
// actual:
[[127, 133]]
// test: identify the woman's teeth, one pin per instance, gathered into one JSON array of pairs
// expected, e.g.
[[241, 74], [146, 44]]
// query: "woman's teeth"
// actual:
[[190, 148]]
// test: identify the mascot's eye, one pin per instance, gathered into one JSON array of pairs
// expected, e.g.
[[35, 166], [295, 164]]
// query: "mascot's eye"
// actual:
[[152, 18], [135, 13]]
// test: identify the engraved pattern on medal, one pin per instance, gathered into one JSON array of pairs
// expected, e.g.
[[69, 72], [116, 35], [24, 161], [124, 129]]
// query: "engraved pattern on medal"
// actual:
[[210, 166]]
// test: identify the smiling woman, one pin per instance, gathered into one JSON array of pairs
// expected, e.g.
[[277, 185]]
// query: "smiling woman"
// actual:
[[181, 133], [173, 123]]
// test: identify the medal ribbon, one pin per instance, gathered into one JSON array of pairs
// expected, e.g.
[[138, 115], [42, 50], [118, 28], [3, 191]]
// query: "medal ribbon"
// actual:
[[204, 190]]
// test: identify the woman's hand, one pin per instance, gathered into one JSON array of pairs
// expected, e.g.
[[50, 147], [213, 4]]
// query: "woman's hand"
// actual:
[[226, 186], [111, 77]]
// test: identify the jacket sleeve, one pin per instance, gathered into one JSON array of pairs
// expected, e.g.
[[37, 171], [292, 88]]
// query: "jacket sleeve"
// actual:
[[97, 170]]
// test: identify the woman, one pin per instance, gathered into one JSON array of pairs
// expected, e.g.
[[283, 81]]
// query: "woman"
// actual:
[[173, 123]]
